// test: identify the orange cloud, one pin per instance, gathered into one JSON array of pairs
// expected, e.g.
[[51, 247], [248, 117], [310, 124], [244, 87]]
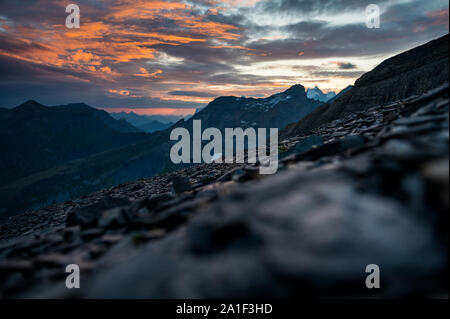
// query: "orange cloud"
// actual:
[[440, 17], [119, 92], [145, 73]]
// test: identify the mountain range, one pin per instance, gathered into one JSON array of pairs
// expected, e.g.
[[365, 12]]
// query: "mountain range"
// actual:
[[130, 155], [147, 123], [274, 111], [53, 154], [34, 137]]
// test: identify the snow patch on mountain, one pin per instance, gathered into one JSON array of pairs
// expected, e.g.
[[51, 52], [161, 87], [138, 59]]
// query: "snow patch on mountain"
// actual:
[[317, 94]]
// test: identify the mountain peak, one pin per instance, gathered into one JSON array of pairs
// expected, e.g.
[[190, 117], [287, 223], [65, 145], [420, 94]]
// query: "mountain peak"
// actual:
[[296, 89], [79, 105], [317, 94], [30, 103]]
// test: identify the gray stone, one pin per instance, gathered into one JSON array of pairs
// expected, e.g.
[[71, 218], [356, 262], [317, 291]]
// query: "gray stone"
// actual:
[[291, 236], [420, 119], [303, 145], [87, 216], [113, 218], [92, 233], [351, 141], [181, 184], [240, 175]]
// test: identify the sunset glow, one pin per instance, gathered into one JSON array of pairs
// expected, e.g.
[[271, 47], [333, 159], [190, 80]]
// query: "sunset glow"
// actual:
[[174, 56]]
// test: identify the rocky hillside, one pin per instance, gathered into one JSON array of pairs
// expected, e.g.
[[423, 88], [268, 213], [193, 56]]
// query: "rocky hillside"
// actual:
[[412, 72], [368, 188]]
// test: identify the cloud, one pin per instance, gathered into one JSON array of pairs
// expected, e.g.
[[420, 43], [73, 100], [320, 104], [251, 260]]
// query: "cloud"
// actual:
[[344, 65], [295, 7], [191, 93], [180, 54], [144, 73]]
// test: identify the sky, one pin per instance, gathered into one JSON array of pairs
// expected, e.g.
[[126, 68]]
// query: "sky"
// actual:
[[171, 57]]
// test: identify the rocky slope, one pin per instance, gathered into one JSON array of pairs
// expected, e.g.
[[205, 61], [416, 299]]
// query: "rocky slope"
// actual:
[[412, 72], [368, 188]]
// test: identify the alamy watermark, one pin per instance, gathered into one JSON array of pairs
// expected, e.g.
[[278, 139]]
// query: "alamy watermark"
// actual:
[[373, 279], [73, 19], [73, 279], [373, 16], [256, 148]]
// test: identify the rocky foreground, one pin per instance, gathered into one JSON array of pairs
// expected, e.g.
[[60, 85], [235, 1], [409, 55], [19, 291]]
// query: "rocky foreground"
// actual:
[[368, 188]]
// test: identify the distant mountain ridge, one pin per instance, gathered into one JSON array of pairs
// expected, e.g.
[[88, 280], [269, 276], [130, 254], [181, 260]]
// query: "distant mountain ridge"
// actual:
[[147, 123], [154, 126], [149, 155], [275, 111], [138, 119], [35, 137]]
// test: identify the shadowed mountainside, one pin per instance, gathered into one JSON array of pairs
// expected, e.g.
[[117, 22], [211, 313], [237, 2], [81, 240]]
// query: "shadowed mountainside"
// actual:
[[409, 73], [154, 126], [34, 137]]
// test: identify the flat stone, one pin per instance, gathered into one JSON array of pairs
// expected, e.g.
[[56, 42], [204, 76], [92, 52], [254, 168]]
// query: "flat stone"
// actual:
[[303, 145], [351, 141], [111, 239], [181, 184], [240, 176], [113, 218], [227, 176], [11, 265], [143, 237], [87, 216], [420, 119], [92, 233], [52, 260]]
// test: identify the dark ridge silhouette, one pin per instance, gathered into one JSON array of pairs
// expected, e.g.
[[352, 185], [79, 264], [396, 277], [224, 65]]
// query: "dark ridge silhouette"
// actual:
[[410, 73]]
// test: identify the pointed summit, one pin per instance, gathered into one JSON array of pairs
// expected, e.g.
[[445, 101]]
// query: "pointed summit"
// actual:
[[30, 103], [296, 89], [317, 94]]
